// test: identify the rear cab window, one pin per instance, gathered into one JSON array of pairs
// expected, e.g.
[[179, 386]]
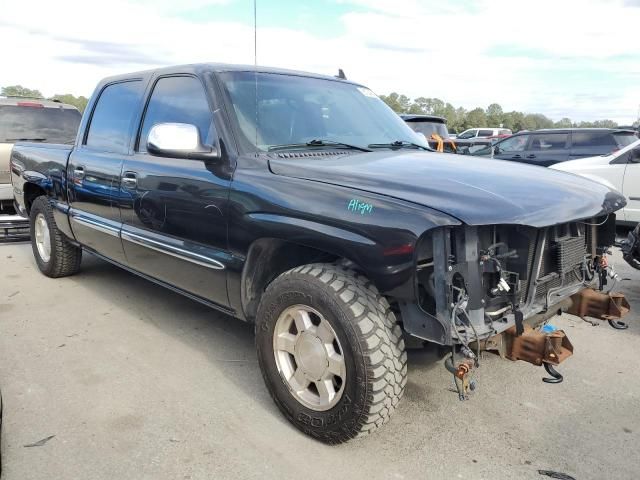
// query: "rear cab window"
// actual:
[[110, 125], [32, 121]]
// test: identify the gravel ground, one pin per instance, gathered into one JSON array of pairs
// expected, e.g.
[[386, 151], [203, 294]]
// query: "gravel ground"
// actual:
[[136, 382]]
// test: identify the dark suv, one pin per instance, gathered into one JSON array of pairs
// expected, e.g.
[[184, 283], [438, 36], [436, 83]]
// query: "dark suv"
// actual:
[[549, 146]]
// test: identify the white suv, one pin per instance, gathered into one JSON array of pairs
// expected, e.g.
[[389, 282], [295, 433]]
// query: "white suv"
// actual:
[[483, 133]]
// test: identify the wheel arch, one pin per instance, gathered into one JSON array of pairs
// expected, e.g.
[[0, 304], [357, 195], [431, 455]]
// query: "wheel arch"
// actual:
[[282, 255], [31, 191]]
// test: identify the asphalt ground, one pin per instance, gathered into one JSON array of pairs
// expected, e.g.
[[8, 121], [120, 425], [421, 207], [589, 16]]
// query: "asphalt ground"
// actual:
[[133, 381]]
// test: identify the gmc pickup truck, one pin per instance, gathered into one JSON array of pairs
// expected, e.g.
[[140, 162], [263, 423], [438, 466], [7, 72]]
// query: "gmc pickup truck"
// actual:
[[303, 204]]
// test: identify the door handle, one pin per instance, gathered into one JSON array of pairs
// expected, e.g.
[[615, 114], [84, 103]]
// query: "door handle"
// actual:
[[129, 180], [78, 173], [531, 156]]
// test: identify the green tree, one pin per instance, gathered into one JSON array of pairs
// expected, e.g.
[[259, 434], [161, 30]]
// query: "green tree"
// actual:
[[605, 124], [398, 103], [514, 121], [79, 102], [20, 91], [460, 122], [563, 123], [428, 106], [495, 115], [476, 118]]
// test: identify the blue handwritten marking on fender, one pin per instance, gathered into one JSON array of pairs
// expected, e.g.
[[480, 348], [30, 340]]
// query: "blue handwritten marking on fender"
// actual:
[[357, 206]]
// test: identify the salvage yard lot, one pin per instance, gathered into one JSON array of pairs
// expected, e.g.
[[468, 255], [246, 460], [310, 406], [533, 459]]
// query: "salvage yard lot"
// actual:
[[136, 382]]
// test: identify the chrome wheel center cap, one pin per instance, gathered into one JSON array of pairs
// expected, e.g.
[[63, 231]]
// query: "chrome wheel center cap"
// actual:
[[311, 355]]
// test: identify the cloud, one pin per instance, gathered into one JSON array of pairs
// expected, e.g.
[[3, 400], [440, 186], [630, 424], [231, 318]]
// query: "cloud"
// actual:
[[571, 58]]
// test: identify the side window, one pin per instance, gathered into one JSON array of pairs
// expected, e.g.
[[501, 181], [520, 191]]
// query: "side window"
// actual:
[[517, 143], [177, 100], [112, 115], [549, 141], [593, 139], [485, 133]]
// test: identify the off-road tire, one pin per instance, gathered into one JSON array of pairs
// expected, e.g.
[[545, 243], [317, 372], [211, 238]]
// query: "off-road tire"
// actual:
[[371, 340], [65, 257]]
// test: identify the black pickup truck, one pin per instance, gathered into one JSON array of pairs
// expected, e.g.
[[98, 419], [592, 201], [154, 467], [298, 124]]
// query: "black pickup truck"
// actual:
[[303, 204]]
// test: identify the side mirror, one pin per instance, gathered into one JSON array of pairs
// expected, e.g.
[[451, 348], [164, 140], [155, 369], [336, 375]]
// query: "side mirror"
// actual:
[[634, 155], [178, 140]]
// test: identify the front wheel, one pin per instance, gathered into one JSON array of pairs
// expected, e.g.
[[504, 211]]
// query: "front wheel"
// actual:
[[54, 254], [330, 351]]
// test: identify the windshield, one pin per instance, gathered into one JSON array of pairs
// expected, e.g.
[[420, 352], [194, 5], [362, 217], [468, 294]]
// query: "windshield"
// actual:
[[52, 125], [428, 128], [294, 110]]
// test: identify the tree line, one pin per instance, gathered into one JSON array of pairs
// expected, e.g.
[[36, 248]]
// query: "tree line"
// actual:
[[19, 91], [459, 119]]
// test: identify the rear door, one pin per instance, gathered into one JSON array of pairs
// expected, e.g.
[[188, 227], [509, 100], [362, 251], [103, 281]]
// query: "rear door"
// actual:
[[95, 165], [547, 148], [174, 210]]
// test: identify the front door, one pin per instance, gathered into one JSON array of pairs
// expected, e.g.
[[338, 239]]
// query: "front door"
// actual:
[[174, 211], [94, 169]]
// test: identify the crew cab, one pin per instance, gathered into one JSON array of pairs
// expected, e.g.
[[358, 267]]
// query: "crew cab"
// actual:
[[303, 204], [28, 119]]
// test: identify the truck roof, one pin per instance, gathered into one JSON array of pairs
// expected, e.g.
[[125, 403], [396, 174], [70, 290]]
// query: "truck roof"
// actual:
[[199, 68]]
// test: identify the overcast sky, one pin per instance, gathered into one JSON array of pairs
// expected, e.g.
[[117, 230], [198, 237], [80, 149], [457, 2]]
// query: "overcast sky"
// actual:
[[562, 58]]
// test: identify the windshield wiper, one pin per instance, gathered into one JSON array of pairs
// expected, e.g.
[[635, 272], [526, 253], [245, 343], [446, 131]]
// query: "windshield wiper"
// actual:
[[318, 143], [26, 139], [398, 144]]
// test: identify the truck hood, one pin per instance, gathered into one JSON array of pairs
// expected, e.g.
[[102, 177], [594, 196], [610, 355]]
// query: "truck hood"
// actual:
[[475, 190]]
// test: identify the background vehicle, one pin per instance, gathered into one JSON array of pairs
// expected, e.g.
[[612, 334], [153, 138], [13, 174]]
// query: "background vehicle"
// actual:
[[304, 204], [475, 139], [620, 171], [430, 125], [28, 119], [483, 133], [550, 146]]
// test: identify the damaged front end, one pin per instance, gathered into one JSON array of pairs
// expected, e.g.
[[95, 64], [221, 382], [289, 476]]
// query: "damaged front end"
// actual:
[[493, 287]]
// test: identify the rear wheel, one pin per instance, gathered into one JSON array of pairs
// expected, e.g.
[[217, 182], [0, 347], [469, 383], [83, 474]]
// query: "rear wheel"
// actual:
[[331, 352], [54, 254]]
